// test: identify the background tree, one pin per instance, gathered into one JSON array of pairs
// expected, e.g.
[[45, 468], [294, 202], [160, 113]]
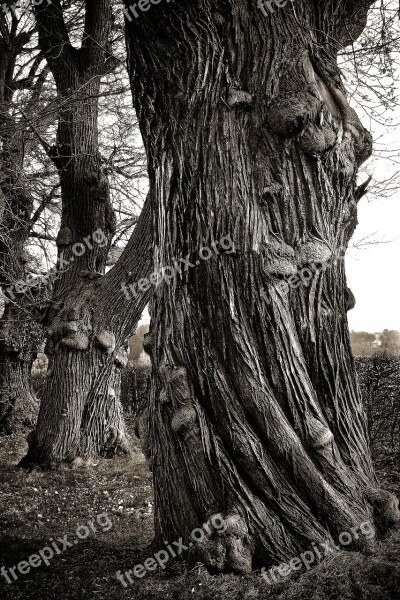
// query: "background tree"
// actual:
[[255, 411], [81, 413], [361, 342], [23, 91], [370, 66], [30, 110], [390, 340]]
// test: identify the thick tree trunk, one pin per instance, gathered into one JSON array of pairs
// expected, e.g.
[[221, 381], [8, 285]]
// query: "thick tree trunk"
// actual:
[[255, 411], [87, 351], [68, 427]]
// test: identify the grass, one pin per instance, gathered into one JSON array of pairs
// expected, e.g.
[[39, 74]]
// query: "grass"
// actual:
[[38, 506]]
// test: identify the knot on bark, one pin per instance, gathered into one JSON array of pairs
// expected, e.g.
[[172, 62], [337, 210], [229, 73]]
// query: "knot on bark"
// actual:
[[219, 19], [281, 267], [76, 341], [64, 237], [121, 358], [363, 147], [106, 341], [72, 327], [315, 140], [185, 423], [75, 334], [239, 99], [350, 299], [280, 258], [176, 380], [313, 252], [359, 136], [280, 248], [74, 314], [353, 129], [69, 326], [386, 509], [290, 112], [230, 549], [184, 419], [272, 191]]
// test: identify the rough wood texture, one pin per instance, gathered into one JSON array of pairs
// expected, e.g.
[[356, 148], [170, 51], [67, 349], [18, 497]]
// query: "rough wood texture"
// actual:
[[81, 415], [64, 430], [20, 331], [255, 411]]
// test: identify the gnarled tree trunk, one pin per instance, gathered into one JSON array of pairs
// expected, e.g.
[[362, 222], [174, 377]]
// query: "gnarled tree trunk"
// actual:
[[82, 398], [87, 228], [255, 411]]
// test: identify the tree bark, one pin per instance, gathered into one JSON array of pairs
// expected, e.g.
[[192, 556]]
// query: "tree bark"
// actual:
[[20, 331], [18, 401], [87, 228], [255, 411], [82, 396]]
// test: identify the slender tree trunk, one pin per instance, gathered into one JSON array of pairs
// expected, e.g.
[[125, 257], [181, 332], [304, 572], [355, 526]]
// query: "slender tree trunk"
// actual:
[[255, 411], [17, 399], [20, 331]]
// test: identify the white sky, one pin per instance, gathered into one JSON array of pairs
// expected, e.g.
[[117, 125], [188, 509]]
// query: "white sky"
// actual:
[[372, 271]]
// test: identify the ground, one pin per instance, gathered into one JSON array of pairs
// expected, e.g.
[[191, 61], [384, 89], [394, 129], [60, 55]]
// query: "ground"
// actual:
[[37, 508]]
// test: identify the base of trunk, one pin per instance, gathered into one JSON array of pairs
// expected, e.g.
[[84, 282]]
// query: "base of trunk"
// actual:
[[77, 424], [18, 403]]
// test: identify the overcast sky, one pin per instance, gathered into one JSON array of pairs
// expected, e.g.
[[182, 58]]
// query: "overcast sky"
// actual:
[[373, 271]]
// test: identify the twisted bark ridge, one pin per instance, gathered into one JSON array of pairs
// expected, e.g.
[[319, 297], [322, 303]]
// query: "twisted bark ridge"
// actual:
[[255, 411]]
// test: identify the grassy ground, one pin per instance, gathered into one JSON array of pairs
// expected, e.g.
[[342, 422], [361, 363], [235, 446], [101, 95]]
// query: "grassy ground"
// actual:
[[38, 508]]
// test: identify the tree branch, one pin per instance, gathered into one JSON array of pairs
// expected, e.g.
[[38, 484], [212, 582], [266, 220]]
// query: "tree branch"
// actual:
[[351, 17], [98, 19], [53, 34]]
